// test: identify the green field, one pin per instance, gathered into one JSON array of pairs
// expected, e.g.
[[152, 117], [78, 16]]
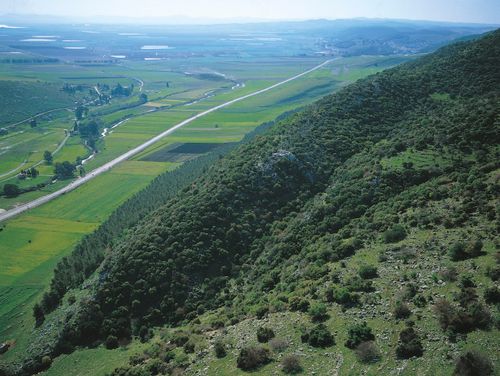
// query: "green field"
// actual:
[[32, 244]]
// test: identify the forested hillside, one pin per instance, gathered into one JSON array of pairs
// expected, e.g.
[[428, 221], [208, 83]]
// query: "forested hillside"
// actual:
[[366, 223]]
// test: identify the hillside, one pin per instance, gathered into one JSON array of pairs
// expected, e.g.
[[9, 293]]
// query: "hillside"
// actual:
[[360, 233], [22, 99]]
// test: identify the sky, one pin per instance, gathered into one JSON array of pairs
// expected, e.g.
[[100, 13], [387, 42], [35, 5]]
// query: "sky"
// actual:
[[474, 11]]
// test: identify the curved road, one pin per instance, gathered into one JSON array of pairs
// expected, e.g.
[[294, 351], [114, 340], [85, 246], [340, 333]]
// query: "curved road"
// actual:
[[59, 147], [107, 166]]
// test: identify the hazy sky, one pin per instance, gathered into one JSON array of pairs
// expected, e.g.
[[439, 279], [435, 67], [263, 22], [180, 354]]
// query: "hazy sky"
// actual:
[[481, 11]]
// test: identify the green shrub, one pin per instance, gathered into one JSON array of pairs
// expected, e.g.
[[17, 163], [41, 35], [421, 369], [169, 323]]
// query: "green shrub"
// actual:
[[457, 251], [409, 344], [368, 271], [319, 336], [356, 283], [153, 367], [46, 362], [220, 349], [358, 333], [462, 251], [402, 311], [367, 352], [261, 312], [38, 314], [493, 272], [298, 303], [318, 312], [111, 342], [251, 358], [169, 356], [264, 334], [278, 344], [188, 347], [342, 296], [492, 295], [291, 364], [11, 190], [394, 234], [420, 301], [473, 363], [180, 338], [410, 291], [217, 324]]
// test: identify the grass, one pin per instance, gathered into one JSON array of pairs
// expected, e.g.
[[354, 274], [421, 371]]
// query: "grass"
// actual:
[[439, 352], [104, 360], [71, 151], [419, 159]]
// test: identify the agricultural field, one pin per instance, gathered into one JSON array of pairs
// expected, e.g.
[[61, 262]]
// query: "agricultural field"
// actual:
[[32, 244]]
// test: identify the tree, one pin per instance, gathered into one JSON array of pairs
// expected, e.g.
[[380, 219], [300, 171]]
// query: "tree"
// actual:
[[120, 90], [342, 296], [64, 170], [81, 112], [38, 314], [111, 342], [492, 295], [90, 129], [33, 172], [143, 98], [11, 190], [457, 251], [33, 123], [47, 156]]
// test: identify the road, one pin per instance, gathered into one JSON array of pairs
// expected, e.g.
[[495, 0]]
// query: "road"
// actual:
[[37, 115], [106, 167], [141, 83], [59, 147]]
